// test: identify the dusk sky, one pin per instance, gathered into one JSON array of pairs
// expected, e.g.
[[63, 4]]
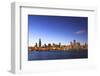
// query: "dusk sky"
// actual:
[[55, 29]]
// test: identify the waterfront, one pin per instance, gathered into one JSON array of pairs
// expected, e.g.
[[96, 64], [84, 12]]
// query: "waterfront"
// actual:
[[52, 55], [57, 37]]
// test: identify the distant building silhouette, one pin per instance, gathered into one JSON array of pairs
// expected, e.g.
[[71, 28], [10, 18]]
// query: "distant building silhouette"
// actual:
[[59, 44], [74, 45], [39, 42], [45, 45], [49, 45], [74, 42], [36, 45], [71, 45]]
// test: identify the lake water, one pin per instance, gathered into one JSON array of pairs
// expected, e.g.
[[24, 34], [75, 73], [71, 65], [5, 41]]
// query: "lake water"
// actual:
[[52, 55]]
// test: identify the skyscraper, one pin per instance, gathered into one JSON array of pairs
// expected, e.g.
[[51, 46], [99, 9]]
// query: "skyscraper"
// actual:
[[59, 44], [36, 45], [39, 42], [74, 42]]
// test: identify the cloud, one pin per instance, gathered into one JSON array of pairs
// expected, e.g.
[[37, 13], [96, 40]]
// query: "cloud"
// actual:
[[80, 32]]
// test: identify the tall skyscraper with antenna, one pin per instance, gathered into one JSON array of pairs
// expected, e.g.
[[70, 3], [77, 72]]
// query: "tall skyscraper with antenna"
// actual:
[[39, 42]]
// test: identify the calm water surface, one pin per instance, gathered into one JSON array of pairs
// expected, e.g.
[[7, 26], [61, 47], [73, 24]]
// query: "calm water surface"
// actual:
[[52, 55]]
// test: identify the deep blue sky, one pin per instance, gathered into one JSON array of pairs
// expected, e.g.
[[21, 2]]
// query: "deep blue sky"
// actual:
[[55, 29]]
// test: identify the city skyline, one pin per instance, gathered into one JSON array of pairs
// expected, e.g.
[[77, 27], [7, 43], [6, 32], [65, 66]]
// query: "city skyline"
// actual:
[[40, 44], [55, 29], [74, 45]]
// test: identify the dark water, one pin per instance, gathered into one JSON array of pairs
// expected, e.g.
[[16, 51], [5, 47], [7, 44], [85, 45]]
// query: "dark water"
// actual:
[[52, 55]]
